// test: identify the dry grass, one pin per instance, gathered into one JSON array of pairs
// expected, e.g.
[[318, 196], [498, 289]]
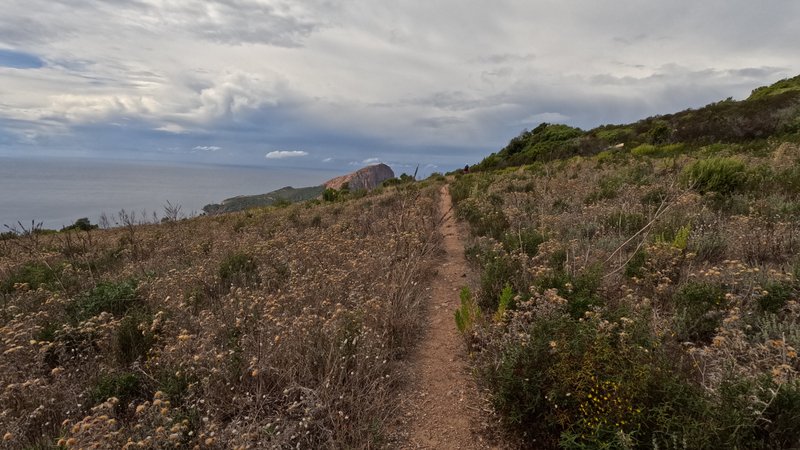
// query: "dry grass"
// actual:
[[273, 328]]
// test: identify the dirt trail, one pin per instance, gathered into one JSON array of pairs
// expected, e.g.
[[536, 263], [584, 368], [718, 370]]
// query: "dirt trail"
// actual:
[[442, 409]]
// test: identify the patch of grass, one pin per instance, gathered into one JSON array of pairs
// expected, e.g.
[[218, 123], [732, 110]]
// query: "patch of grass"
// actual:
[[108, 296], [608, 188], [34, 274], [634, 266], [698, 307], [132, 340], [527, 240], [238, 268], [125, 386], [778, 293], [721, 175]]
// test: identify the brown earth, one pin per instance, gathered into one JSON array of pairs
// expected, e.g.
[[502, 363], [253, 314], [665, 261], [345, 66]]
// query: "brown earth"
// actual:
[[442, 409]]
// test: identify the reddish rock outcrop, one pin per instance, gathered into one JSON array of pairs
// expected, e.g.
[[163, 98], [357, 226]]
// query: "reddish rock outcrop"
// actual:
[[367, 178]]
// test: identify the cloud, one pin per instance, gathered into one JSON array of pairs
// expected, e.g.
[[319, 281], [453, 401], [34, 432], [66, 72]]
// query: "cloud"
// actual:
[[283, 154], [207, 148], [371, 161], [407, 82], [326, 160]]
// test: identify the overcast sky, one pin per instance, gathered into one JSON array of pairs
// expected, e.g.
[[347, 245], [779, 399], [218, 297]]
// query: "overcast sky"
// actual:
[[317, 83]]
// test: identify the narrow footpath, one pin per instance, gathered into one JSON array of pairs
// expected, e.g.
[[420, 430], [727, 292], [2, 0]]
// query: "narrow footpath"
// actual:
[[442, 410]]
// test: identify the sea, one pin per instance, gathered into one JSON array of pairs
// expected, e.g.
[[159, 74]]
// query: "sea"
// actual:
[[56, 192]]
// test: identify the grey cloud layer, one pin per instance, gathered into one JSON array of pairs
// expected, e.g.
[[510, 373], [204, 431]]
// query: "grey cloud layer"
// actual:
[[414, 81]]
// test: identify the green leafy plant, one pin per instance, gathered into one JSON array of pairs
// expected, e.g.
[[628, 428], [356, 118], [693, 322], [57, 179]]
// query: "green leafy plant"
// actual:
[[504, 303], [108, 296], [468, 313]]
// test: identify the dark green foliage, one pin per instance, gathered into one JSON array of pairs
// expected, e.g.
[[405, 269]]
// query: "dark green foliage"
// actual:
[[82, 224], [497, 271], [527, 240], [175, 384], [125, 386], [721, 175], [778, 294], [490, 222], [635, 265], [332, 195], [238, 268], [402, 179], [580, 290], [132, 339], [780, 427], [544, 143], [770, 111], [108, 296], [47, 332], [608, 188], [35, 274], [698, 308]]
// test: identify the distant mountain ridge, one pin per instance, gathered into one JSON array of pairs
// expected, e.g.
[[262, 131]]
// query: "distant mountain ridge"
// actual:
[[242, 202], [366, 178]]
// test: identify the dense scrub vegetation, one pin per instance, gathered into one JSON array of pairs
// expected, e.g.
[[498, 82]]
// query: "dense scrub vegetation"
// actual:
[[278, 327], [640, 297], [770, 111]]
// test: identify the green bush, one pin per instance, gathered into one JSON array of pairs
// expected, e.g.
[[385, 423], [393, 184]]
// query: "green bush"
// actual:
[[698, 309], [721, 175], [125, 386], [498, 271], [527, 240], [108, 296], [82, 224], [608, 188], [238, 268], [634, 266], [130, 342], [778, 294], [35, 274]]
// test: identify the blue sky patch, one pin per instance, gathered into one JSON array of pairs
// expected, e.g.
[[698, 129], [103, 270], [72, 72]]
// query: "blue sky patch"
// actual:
[[19, 60]]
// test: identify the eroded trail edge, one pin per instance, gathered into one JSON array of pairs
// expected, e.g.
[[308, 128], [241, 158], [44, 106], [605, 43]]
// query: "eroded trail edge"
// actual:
[[442, 409]]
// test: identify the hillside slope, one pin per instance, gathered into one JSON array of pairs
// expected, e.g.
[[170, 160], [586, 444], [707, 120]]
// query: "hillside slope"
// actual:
[[644, 295], [770, 111]]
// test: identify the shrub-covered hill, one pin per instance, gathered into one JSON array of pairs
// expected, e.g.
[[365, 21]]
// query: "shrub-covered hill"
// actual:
[[770, 111], [271, 328], [280, 197], [639, 299]]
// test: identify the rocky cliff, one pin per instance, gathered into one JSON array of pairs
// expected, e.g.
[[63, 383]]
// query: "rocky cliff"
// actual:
[[367, 178]]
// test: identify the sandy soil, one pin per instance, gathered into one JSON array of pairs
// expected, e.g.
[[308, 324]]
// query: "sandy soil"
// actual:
[[442, 409]]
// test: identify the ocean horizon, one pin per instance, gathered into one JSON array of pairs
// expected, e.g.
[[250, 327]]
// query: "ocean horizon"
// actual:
[[58, 191]]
